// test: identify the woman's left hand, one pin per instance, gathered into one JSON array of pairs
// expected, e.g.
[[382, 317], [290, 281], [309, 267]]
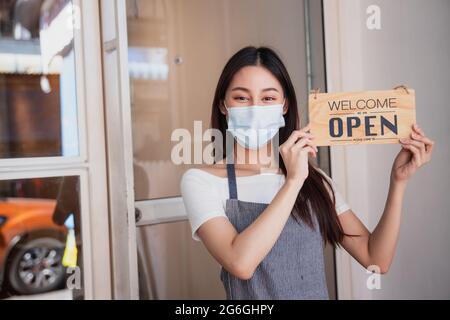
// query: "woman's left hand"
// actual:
[[416, 151]]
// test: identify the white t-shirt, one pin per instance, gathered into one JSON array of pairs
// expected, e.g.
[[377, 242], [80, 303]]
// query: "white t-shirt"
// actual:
[[204, 194]]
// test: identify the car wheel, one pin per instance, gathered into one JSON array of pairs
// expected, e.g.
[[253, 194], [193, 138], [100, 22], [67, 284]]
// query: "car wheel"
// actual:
[[36, 266]]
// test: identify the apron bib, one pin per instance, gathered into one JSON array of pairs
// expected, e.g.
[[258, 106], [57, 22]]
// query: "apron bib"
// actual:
[[293, 268]]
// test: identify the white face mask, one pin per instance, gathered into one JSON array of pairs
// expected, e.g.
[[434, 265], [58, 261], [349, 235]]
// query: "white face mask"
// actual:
[[254, 126]]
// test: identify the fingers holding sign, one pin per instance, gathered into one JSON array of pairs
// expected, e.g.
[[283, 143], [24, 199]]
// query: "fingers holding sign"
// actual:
[[420, 148], [420, 145], [294, 152]]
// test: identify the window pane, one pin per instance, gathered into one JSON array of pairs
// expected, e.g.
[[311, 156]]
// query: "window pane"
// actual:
[[38, 111], [177, 50], [40, 238]]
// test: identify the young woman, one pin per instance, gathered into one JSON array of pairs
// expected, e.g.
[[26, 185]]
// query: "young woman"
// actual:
[[266, 221]]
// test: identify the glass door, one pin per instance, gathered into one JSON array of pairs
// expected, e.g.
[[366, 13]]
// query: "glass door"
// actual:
[[51, 160]]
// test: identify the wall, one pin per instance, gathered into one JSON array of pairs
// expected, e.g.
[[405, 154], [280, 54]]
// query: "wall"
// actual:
[[412, 48]]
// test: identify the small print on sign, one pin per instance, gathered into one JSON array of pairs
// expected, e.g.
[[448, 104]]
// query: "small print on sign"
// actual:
[[367, 117]]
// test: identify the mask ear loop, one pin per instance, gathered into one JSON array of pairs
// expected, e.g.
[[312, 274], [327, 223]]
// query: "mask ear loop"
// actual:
[[284, 102], [226, 108]]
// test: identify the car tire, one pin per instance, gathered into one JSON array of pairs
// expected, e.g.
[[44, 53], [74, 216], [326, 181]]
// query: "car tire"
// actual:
[[36, 266]]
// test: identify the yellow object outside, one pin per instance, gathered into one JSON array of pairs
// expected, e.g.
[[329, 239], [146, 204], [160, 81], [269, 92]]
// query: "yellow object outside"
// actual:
[[70, 251]]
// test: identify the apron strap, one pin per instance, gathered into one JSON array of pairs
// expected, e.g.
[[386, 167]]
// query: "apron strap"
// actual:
[[232, 187]]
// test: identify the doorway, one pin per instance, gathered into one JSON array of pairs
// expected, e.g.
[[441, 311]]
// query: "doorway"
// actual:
[[174, 51]]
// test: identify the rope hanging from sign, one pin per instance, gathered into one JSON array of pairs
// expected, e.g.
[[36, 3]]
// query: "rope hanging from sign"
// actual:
[[402, 86], [315, 91]]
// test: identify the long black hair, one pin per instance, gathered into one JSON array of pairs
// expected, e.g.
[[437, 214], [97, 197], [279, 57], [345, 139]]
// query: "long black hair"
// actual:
[[314, 190]]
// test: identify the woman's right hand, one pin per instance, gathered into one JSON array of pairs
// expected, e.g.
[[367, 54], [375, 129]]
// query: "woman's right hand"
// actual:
[[294, 152], [241, 252]]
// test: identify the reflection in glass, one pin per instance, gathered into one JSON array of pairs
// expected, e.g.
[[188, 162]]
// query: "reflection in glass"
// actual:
[[156, 104], [40, 238], [38, 114]]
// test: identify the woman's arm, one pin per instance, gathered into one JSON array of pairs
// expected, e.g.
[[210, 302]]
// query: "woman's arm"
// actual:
[[241, 253], [377, 249]]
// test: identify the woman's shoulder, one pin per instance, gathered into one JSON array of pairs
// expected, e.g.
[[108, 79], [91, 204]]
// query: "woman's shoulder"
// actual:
[[203, 175], [199, 181]]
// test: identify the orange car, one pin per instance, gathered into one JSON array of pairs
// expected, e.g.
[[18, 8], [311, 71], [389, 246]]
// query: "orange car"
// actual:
[[31, 246]]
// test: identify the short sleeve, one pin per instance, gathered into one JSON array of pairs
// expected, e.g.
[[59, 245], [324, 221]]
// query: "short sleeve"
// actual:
[[341, 204], [201, 200]]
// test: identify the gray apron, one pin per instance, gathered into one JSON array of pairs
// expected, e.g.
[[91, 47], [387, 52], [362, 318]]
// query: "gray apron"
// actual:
[[293, 268]]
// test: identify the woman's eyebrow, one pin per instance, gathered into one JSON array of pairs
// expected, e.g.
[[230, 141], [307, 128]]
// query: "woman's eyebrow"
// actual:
[[240, 88], [269, 89], [247, 90]]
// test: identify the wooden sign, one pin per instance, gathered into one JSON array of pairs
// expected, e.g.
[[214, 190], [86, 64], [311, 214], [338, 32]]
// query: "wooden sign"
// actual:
[[367, 117]]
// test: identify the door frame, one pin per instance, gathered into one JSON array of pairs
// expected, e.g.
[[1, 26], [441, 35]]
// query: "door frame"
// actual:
[[119, 149], [336, 15], [123, 222], [337, 155]]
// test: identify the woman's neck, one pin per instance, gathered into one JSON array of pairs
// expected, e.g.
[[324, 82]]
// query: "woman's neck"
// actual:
[[261, 160]]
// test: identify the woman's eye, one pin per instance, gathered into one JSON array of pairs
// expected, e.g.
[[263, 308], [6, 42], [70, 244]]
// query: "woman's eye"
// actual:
[[240, 98], [269, 98]]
